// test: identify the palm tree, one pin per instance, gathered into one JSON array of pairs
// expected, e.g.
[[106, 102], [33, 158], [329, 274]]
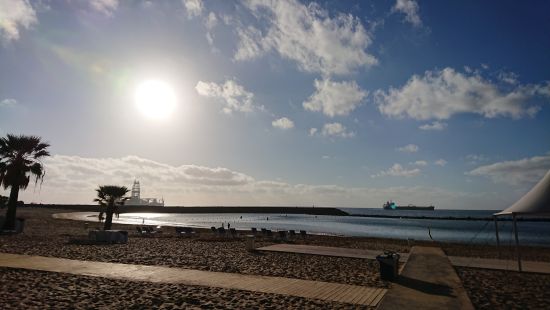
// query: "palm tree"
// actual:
[[110, 196], [19, 159]]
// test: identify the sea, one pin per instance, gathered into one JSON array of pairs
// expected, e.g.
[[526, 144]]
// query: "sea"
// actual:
[[402, 227]]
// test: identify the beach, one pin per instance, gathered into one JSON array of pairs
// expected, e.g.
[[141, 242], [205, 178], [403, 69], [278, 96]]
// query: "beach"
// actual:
[[46, 236]]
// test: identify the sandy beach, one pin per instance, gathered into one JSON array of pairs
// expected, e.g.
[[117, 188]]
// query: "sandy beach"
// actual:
[[46, 236]]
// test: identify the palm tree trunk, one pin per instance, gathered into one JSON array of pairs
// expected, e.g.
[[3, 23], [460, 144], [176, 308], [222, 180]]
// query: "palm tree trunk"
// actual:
[[12, 207], [109, 218]]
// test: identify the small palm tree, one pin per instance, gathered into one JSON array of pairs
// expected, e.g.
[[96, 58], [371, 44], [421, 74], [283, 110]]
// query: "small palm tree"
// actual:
[[19, 159], [111, 197]]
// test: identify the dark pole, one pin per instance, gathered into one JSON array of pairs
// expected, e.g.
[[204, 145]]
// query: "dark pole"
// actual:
[[517, 242], [496, 231]]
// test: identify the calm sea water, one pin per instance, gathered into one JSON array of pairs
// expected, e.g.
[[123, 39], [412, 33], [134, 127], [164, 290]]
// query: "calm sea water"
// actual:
[[463, 231]]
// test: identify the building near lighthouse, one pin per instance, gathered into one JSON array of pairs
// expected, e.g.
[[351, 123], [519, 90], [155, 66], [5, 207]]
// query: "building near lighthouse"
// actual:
[[136, 200]]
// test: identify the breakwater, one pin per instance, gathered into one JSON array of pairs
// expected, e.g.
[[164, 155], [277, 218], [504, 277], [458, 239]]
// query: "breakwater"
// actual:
[[207, 209]]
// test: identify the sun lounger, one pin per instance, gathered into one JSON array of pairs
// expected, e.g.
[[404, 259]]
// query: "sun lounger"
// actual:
[[303, 233], [221, 231], [264, 232], [140, 230], [185, 231], [283, 235], [254, 231], [233, 232], [269, 233], [213, 229]]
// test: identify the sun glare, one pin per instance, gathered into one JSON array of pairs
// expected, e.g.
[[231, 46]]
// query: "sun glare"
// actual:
[[155, 99]]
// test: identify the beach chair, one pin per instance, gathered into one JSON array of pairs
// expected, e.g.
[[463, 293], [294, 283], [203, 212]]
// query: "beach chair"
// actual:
[[233, 232], [254, 231], [303, 233], [214, 230], [140, 230], [151, 230], [185, 231], [269, 233], [190, 231], [264, 232], [221, 231]]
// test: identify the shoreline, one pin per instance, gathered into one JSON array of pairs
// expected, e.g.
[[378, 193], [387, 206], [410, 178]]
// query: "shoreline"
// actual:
[[329, 211]]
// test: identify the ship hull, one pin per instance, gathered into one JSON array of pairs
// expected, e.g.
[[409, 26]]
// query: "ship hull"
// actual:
[[430, 208]]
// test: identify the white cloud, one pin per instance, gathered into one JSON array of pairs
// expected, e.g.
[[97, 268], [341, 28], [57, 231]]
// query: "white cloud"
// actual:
[[313, 131], [336, 130], [508, 77], [436, 125], [441, 94], [14, 15], [6, 103], [106, 7], [410, 9], [211, 21], [517, 172], [233, 95], [409, 148], [397, 171], [335, 98], [283, 123], [193, 7], [420, 163], [476, 158], [440, 162], [308, 35]]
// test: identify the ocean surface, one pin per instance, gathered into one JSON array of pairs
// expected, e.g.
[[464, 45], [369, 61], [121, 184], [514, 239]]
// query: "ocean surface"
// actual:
[[462, 231]]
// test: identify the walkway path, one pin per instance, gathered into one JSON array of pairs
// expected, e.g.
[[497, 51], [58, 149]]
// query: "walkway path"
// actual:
[[500, 264], [473, 262], [428, 281], [360, 295], [325, 251]]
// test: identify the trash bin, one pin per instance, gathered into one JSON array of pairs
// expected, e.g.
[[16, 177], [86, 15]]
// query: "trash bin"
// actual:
[[389, 265], [250, 246], [19, 225]]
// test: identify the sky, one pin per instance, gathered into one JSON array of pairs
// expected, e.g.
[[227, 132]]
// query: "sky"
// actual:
[[325, 103]]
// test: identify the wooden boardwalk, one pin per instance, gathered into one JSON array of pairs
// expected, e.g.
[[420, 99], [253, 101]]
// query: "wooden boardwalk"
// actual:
[[500, 264], [472, 262], [352, 294], [326, 251]]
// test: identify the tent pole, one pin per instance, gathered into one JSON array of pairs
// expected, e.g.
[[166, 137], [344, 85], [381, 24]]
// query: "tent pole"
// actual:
[[517, 242], [498, 239]]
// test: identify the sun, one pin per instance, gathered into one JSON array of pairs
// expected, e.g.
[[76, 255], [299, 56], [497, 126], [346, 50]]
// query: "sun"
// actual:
[[155, 99]]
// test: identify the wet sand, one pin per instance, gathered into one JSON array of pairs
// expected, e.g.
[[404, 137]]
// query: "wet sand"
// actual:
[[46, 236]]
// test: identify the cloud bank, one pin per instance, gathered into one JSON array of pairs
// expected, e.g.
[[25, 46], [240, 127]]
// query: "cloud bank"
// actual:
[[73, 179], [526, 171]]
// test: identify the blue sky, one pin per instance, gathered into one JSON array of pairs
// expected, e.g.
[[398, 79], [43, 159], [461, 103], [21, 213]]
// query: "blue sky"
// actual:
[[332, 103]]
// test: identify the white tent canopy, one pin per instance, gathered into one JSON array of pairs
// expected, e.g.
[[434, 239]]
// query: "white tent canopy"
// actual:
[[535, 202]]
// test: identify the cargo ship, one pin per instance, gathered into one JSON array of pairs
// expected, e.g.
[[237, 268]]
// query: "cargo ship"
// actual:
[[390, 205]]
